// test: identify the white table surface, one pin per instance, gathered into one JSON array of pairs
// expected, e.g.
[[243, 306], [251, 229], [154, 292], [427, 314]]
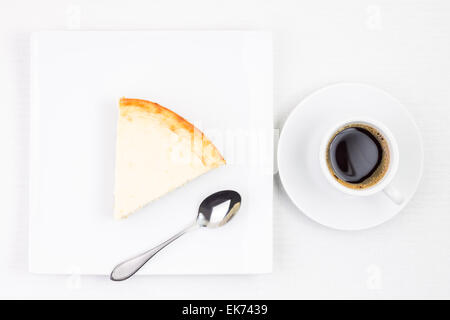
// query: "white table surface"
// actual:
[[400, 46]]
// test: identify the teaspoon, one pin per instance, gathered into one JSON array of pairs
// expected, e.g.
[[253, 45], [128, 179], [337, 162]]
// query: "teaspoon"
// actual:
[[215, 211]]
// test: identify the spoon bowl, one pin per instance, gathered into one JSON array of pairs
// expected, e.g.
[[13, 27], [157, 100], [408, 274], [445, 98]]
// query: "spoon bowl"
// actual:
[[215, 211]]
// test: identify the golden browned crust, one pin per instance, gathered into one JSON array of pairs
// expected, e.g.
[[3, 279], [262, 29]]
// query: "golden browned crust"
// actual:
[[201, 145]]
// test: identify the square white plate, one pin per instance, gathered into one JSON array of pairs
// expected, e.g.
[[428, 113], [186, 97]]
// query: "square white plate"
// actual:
[[220, 81]]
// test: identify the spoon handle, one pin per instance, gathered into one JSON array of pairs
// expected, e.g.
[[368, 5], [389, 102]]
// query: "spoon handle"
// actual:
[[129, 267]]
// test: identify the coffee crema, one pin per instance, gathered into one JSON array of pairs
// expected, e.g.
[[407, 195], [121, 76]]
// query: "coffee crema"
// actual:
[[358, 156]]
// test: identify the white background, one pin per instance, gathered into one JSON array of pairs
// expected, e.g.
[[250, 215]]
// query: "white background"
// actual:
[[400, 46]]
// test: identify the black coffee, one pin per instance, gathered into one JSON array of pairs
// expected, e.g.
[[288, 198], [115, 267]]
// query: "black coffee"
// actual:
[[358, 156]]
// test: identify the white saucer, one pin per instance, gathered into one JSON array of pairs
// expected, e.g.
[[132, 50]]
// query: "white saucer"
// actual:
[[298, 155]]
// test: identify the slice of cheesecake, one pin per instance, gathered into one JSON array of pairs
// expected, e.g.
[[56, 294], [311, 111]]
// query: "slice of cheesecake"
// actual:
[[156, 152]]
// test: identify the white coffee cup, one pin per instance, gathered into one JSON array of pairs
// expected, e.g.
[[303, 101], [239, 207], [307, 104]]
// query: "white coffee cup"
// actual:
[[385, 183]]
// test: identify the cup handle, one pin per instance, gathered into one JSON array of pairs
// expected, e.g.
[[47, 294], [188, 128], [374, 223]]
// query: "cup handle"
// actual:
[[394, 194]]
